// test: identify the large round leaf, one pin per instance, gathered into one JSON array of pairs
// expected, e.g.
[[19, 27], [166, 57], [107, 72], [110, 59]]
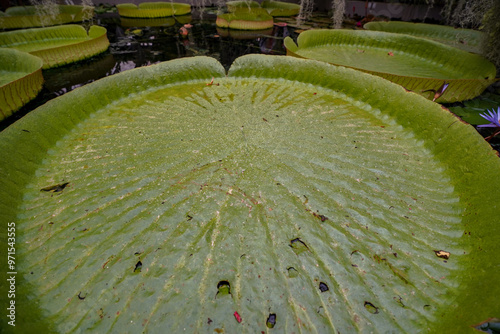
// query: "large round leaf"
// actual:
[[465, 39], [59, 45], [20, 81], [30, 16], [171, 198], [418, 64]]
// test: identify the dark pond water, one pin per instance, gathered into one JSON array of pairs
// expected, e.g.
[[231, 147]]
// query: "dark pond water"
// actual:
[[135, 43]]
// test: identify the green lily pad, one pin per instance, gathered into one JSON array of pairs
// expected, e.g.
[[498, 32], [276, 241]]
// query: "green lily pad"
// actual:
[[465, 39], [21, 80], [59, 45], [280, 8], [172, 197], [420, 65], [27, 16], [153, 9], [245, 19], [234, 5]]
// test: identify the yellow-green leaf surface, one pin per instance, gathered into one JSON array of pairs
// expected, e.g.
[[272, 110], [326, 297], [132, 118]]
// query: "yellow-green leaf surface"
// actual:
[[58, 45], [153, 9], [21, 80], [417, 64], [245, 19], [234, 5], [279, 8], [27, 16], [272, 199], [465, 39]]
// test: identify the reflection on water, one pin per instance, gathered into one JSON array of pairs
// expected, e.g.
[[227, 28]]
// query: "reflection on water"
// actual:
[[141, 42]]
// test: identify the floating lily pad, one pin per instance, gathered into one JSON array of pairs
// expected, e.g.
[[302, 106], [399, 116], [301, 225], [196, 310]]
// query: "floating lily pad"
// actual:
[[270, 197], [58, 45], [465, 39], [234, 5], [27, 16], [245, 19], [153, 9], [420, 65], [21, 80], [280, 8]]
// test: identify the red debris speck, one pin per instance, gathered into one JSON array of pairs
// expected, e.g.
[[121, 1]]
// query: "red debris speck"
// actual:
[[237, 316]]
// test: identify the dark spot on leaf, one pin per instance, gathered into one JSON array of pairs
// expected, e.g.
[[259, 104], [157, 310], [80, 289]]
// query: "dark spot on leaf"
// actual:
[[223, 289], [399, 300], [80, 296], [371, 308], [25, 130], [209, 321], [323, 287], [298, 245], [292, 272], [137, 253], [320, 217], [138, 267], [271, 320], [189, 217], [442, 254], [56, 188]]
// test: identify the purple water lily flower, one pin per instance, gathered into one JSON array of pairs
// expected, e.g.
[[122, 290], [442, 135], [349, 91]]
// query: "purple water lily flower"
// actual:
[[493, 117]]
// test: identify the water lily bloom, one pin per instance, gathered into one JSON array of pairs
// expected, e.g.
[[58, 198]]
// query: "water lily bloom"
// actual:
[[493, 117]]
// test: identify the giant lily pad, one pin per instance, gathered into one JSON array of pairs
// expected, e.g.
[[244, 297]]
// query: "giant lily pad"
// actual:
[[153, 9], [21, 80], [418, 64], [172, 198], [234, 5], [280, 8], [27, 16], [465, 39], [245, 19], [58, 45]]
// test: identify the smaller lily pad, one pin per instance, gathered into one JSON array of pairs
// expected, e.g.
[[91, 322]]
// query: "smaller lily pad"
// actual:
[[20, 80], [27, 16], [59, 45], [245, 19], [434, 70], [234, 5], [465, 39], [279, 8], [153, 9]]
